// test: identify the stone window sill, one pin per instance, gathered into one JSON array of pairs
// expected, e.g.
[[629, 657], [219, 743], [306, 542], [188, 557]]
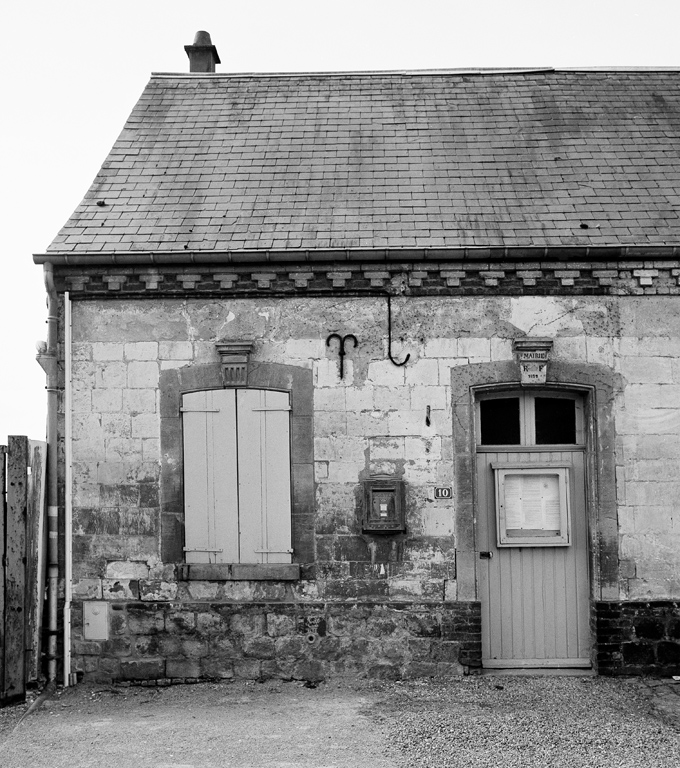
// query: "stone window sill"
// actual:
[[239, 572]]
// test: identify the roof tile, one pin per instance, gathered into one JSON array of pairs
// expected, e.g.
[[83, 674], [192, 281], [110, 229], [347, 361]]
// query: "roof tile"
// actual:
[[428, 160]]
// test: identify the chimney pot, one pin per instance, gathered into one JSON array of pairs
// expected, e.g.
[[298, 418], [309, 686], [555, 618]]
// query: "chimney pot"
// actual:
[[202, 54]]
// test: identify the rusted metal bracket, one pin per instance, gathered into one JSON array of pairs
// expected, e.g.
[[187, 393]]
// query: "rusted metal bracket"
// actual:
[[341, 351]]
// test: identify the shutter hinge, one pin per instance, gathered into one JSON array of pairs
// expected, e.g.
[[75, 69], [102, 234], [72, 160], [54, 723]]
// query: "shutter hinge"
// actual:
[[273, 551], [202, 549], [274, 410], [199, 410]]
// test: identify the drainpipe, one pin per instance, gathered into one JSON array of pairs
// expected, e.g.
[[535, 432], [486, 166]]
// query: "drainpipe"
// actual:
[[47, 358], [69, 677]]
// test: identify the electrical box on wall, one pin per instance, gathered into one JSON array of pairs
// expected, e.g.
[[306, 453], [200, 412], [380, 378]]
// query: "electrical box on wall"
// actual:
[[95, 620], [384, 507]]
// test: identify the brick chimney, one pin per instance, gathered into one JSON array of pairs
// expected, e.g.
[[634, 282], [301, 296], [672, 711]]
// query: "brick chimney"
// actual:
[[202, 54]]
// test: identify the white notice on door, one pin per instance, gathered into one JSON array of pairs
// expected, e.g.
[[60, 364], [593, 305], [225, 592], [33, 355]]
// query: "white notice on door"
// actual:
[[532, 502]]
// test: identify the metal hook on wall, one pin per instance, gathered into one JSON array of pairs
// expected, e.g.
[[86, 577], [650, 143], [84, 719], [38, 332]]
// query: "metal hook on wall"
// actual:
[[389, 336]]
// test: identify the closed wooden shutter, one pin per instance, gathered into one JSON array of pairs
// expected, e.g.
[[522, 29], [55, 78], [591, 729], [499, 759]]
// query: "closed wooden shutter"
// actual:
[[264, 476], [210, 477], [237, 493]]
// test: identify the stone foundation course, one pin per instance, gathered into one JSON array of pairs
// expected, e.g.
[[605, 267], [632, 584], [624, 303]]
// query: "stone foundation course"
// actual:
[[313, 642]]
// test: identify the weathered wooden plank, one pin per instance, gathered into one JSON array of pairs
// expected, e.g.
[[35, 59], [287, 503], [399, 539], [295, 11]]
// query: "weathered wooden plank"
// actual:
[[264, 476], [3, 514], [277, 496], [36, 561], [251, 475], [210, 477], [15, 554], [223, 471], [197, 495]]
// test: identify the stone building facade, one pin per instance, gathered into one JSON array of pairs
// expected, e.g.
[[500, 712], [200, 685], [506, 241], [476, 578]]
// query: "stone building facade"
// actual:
[[226, 261]]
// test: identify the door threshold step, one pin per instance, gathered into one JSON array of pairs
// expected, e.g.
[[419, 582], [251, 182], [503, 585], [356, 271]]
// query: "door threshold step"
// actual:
[[539, 672]]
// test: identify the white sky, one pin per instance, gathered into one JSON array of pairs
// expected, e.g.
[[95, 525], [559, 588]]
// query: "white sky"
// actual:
[[72, 71]]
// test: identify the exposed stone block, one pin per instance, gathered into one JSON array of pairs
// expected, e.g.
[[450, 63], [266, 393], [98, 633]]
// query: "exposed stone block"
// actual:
[[291, 647], [247, 669], [475, 349], [87, 589], [357, 400], [423, 372], [668, 654], [151, 450], [391, 398], [637, 654], [117, 620], [175, 350], [148, 646], [218, 669], [141, 350], [142, 669], [143, 620], [311, 670], [145, 425], [107, 351], [126, 569], [194, 647], [259, 648], [157, 590], [180, 621], [109, 669], [86, 648], [120, 589], [441, 347], [450, 670], [279, 625], [183, 668], [139, 401], [384, 373], [201, 590], [142, 375], [249, 624], [117, 646]]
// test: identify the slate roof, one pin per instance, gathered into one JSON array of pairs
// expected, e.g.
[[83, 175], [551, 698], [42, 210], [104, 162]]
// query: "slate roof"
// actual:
[[399, 160]]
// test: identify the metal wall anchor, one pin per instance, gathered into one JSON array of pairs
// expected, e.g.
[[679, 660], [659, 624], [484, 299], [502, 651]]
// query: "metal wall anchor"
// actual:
[[341, 351], [389, 336]]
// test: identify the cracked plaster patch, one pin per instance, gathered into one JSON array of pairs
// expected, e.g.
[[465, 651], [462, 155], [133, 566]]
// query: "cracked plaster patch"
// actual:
[[544, 315]]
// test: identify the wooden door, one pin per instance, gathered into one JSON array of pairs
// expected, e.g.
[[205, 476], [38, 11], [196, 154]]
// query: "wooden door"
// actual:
[[532, 530]]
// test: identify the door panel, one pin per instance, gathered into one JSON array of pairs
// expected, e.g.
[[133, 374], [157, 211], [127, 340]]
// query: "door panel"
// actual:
[[535, 600]]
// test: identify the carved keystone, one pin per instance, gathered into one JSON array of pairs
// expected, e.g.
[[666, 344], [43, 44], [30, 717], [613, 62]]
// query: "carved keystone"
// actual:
[[234, 357], [533, 354]]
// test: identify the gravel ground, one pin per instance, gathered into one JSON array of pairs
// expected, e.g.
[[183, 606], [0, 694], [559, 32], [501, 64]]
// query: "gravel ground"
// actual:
[[577, 722], [483, 722]]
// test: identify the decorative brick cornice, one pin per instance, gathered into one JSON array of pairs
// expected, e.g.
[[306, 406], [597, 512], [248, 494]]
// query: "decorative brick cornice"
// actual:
[[644, 277]]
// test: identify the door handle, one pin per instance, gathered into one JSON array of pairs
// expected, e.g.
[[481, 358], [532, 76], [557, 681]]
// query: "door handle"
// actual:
[[486, 555]]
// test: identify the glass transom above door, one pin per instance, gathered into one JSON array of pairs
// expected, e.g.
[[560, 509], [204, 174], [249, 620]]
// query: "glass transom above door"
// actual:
[[530, 418]]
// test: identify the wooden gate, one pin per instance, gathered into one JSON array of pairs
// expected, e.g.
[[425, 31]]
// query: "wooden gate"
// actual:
[[22, 576], [532, 531]]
